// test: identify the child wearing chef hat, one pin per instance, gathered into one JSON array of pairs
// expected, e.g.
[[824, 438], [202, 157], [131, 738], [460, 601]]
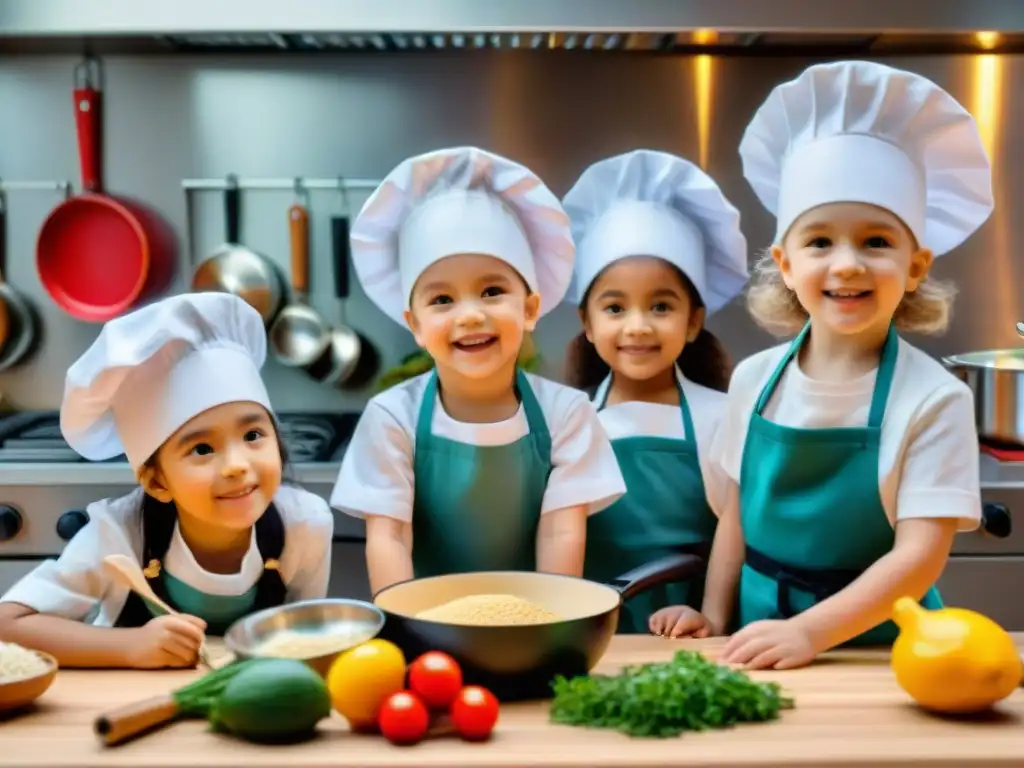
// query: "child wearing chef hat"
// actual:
[[659, 248], [175, 387], [474, 465], [850, 450]]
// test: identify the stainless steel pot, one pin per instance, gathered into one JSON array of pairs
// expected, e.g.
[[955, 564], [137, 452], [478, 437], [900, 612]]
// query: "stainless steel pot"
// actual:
[[996, 377]]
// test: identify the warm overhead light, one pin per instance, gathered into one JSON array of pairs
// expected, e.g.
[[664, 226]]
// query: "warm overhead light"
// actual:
[[987, 40], [705, 37]]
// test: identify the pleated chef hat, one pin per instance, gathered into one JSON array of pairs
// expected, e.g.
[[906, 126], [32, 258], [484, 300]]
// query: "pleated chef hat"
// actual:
[[453, 201], [648, 203], [858, 131], [150, 371]]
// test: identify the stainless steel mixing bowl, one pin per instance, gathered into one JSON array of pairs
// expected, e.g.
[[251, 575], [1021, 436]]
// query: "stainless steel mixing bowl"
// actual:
[[354, 621]]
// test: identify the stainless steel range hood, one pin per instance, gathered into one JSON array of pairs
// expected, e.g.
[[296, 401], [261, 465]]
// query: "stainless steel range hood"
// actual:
[[749, 26]]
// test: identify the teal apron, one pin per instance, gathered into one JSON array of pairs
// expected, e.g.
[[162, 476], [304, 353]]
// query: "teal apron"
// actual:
[[810, 507], [664, 511], [477, 507], [218, 611]]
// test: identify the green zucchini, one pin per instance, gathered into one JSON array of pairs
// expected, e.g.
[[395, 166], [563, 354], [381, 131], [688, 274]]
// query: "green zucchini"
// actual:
[[274, 701]]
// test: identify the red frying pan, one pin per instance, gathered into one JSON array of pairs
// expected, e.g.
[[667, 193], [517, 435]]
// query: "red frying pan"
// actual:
[[98, 255]]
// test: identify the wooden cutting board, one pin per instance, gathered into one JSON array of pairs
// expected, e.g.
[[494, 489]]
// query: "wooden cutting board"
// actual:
[[849, 713]]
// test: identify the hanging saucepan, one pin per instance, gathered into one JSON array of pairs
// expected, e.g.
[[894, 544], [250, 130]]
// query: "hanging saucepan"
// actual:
[[350, 360], [22, 327], [996, 378], [299, 335], [233, 268], [519, 661], [97, 255]]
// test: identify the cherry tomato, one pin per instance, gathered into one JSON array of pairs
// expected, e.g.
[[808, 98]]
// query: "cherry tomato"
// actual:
[[436, 678], [403, 718], [474, 713]]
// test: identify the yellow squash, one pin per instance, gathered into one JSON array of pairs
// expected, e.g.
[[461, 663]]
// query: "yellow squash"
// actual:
[[953, 660]]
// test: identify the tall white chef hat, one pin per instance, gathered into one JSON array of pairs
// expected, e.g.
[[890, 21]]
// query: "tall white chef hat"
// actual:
[[461, 200], [150, 371], [648, 203], [857, 131]]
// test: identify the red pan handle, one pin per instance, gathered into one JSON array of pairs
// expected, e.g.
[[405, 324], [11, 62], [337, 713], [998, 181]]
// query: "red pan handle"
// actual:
[[88, 124]]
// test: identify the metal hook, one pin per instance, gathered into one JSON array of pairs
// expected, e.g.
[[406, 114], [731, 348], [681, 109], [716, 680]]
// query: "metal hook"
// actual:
[[3, 196], [301, 193], [87, 74], [231, 181], [343, 189]]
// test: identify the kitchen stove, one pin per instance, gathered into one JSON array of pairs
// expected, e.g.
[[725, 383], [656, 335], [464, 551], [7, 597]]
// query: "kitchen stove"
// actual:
[[45, 488]]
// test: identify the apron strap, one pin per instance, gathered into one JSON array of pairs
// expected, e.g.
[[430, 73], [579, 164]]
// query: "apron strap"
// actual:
[[883, 381], [425, 419], [689, 433], [773, 382], [531, 408], [534, 415]]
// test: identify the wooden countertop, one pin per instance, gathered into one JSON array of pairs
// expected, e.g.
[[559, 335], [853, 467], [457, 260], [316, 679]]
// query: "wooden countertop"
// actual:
[[849, 712]]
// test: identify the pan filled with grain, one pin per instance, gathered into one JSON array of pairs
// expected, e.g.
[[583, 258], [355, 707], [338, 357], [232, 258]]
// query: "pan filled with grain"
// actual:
[[513, 632]]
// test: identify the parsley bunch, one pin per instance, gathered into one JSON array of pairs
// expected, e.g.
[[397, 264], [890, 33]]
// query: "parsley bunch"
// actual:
[[688, 693]]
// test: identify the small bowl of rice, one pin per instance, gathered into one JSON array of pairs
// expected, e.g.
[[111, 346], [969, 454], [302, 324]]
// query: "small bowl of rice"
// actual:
[[24, 675]]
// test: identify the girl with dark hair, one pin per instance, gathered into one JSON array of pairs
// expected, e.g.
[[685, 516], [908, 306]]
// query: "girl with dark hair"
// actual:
[[658, 248], [176, 388]]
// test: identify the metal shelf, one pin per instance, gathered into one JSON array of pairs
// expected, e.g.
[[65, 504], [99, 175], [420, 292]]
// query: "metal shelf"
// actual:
[[338, 183]]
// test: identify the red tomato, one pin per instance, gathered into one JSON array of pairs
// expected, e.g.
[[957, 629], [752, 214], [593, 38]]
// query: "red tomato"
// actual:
[[436, 678], [403, 718], [474, 713]]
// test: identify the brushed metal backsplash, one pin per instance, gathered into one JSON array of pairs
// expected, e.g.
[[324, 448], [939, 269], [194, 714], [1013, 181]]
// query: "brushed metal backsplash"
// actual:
[[358, 115]]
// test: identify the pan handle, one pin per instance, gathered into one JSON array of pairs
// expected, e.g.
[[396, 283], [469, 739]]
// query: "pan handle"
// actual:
[[88, 105], [671, 568], [340, 246]]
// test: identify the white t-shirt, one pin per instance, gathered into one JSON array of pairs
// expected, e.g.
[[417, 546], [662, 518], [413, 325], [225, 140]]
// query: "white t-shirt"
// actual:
[[76, 583], [928, 465], [377, 478], [707, 409]]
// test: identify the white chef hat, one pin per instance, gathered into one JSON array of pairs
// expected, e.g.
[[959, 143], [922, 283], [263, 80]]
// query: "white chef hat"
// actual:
[[648, 203], [461, 200], [150, 371], [858, 131]]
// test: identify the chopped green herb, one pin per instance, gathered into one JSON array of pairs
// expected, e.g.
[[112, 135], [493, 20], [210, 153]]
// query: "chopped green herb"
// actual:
[[688, 693]]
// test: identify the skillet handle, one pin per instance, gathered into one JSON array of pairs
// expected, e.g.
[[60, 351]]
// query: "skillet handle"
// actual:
[[670, 568]]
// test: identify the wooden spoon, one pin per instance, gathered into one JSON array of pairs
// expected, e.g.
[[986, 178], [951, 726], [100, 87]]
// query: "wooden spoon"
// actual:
[[128, 573]]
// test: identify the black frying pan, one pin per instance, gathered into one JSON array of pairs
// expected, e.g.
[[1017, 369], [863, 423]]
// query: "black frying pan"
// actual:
[[519, 662]]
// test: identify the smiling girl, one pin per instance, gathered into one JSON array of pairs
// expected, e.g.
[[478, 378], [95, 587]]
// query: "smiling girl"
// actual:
[[475, 465], [659, 249], [176, 387], [852, 453]]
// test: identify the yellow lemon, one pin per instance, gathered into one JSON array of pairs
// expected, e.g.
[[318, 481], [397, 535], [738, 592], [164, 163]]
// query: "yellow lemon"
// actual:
[[953, 660]]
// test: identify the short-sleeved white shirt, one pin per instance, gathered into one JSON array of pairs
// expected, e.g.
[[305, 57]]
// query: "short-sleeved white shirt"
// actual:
[[76, 583], [707, 410], [377, 476], [928, 464]]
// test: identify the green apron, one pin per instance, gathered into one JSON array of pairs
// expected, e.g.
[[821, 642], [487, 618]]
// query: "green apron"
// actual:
[[810, 507], [218, 611], [477, 507], [664, 511]]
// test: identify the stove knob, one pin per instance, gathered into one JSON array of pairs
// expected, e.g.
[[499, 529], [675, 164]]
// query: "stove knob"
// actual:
[[10, 522], [995, 520], [70, 523]]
